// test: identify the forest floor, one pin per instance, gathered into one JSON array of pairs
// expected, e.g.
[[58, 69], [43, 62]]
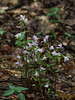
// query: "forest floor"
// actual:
[[38, 22]]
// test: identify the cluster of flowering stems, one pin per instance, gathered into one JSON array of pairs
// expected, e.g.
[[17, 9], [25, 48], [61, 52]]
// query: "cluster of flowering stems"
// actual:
[[36, 50]]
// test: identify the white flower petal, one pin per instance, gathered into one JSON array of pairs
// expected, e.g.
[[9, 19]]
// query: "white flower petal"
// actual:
[[46, 38], [18, 35], [60, 46], [44, 57], [46, 85], [19, 56], [42, 68], [52, 48], [40, 50], [36, 74], [35, 38], [66, 59]]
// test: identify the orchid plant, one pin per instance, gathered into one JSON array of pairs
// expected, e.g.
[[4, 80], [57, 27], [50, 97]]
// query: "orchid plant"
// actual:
[[36, 61]]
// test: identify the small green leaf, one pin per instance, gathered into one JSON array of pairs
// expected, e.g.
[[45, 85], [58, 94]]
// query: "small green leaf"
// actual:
[[54, 21], [23, 42], [42, 84], [57, 71], [52, 64], [68, 35], [1, 32], [43, 79], [50, 14], [8, 92], [21, 96], [16, 42], [11, 87], [54, 60], [49, 56], [29, 40], [57, 16], [54, 9], [52, 91], [33, 85], [26, 31], [39, 33], [21, 38], [35, 79], [48, 65], [49, 90], [56, 95], [19, 89]]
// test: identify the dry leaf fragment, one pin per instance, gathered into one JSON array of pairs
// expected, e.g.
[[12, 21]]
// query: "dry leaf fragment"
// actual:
[[6, 47]]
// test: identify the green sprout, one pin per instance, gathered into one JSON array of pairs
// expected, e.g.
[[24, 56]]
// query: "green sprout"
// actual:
[[18, 89]]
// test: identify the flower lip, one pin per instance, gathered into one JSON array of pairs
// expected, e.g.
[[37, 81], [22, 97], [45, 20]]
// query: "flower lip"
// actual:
[[36, 74], [52, 47], [34, 43], [55, 53], [66, 58], [22, 17], [26, 20], [36, 59], [46, 38], [19, 64], [25, 51], [18, 56], [42, 68], [60, 46], [28, 60], [35, 38], [46, 85], [44, 57], [18, 35], [40, 50]]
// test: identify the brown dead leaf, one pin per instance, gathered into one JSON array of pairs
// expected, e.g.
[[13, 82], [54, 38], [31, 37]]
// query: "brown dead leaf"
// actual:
[[68, 67], [31, 95], [70, 21], [13, 97], [5, 77], [1, 74], [6, 47], [15, 73]]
